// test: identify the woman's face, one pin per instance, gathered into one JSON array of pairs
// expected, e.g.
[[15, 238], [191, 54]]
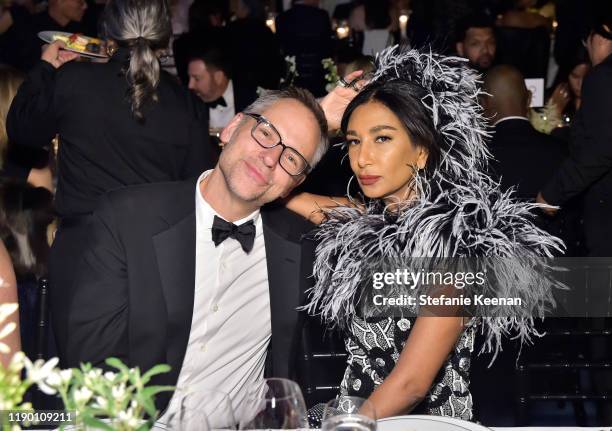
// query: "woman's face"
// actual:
[[575, 78], [381, 152]]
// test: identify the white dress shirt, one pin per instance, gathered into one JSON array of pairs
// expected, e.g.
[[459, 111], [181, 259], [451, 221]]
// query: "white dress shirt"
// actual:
[[220, 116], [231, 324]]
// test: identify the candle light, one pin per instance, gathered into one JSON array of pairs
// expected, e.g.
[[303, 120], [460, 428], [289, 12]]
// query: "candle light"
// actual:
[[403, 24], [343, 30], [271, 22]]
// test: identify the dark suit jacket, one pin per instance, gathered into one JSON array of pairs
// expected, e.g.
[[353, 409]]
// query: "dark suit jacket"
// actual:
[[589, 165], [524, 157], [135, 287]]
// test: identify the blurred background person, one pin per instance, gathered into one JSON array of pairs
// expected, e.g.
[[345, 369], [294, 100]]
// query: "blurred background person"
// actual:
[[211, 79], [567, 95], [22, 36], [26, 216], [515, 142], [305, 31], [159, 132], [8, 295], [254, 48], [588, 168], [17, 162], [476, 41]]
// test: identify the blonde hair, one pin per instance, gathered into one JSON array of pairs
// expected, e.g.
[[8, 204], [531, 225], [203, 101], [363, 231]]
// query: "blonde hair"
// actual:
[[10, 80]]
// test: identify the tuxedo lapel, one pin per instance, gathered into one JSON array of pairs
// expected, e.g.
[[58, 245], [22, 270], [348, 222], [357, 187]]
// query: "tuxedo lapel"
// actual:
[[175, 252], [282, 231]]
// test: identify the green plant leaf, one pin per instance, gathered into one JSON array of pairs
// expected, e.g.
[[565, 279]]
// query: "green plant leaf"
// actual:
[[118, 364], [97, 423], [157, 369]]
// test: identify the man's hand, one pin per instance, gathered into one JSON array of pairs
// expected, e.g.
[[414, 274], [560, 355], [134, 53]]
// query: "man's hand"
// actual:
[[337, 100], [55, 55], [547, 210]]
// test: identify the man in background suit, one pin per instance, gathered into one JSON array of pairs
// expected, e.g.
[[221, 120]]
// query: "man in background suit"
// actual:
[[305, 31], [135, 296], [210, 77], [524, 157], [588, 168]]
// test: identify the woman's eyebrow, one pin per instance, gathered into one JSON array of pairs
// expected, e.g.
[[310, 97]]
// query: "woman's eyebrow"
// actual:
[[381, 127]]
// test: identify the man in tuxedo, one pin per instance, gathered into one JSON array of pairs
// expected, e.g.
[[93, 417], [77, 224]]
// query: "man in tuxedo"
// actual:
[[197, 274], [524, 157], [210, 77], [588, 168]]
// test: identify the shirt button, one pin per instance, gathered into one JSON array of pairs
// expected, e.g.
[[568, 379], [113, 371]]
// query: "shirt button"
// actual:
[[215, 308], [203, 347]]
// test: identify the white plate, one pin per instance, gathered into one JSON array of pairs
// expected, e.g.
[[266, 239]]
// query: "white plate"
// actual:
[[427, 423], [47, 36]]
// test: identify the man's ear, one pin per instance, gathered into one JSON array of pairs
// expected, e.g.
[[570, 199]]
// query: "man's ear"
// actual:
[[232, 126], [459, 47]]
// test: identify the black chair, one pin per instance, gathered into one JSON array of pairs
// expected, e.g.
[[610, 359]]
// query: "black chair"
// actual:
[[563, 367], [321, 362]]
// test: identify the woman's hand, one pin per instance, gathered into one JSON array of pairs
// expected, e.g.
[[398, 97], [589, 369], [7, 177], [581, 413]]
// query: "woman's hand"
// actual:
[[560, 97], [335, 103], [55, 55]]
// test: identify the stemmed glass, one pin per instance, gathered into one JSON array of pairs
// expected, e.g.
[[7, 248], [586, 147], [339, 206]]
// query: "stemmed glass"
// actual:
[[349, 414], [203, 410], [277, 404]]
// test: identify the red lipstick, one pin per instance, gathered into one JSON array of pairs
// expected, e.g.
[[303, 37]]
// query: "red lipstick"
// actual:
[[368, 180]]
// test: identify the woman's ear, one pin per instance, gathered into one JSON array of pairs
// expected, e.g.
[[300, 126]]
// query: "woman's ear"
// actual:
[[422, 158]]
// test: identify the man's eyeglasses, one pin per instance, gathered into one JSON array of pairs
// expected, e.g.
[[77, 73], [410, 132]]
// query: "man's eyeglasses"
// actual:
[[266, 135]]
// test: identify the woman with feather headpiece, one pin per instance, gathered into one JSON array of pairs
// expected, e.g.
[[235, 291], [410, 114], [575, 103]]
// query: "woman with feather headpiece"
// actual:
[[415, 140]]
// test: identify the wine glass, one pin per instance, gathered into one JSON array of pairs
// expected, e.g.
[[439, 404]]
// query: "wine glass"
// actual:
[[275, 404], [347, 413], [203, 410]]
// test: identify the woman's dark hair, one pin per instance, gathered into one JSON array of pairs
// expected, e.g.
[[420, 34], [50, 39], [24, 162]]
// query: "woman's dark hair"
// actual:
[[404, 100], [25, 214], [143, 26]]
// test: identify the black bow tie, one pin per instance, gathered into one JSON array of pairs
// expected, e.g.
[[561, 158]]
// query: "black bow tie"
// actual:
[[244, 234], [215, 103]]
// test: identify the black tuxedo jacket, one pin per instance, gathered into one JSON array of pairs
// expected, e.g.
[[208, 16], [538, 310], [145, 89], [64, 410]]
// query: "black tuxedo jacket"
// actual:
[[524, 157], [134, 290]]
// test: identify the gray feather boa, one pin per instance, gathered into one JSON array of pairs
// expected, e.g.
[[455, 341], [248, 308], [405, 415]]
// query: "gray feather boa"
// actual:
[[459, 212]]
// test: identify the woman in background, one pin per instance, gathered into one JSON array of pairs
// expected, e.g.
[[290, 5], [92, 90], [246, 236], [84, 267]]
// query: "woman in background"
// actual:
[[16, 162], [26, 214]]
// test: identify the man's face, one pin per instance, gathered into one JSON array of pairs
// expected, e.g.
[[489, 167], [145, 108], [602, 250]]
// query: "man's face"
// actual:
[[252, 173], [72, 9], [207, 82], [599, 47], [478, 47]]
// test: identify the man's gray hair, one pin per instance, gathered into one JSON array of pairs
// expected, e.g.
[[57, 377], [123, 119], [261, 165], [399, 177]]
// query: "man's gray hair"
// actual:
[[305, 97]]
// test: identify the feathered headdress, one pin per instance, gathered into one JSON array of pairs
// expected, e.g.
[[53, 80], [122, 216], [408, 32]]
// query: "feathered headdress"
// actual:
[[459, 211]]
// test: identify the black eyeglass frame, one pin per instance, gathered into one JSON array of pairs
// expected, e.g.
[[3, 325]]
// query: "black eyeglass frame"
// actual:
[[261, 119]]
